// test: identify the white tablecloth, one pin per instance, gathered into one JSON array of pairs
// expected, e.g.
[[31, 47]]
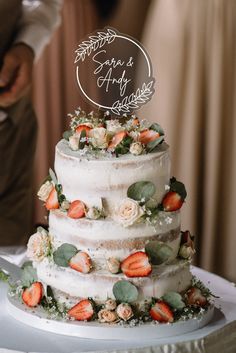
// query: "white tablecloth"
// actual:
[[217, 337]]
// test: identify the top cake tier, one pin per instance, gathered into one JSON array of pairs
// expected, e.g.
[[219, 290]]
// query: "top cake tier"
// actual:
[[105, 179]]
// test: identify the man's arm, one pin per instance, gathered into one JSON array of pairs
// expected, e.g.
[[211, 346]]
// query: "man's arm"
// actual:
[[39, 20]]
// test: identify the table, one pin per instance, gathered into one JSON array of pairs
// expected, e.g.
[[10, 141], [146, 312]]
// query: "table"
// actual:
[[219, 336]]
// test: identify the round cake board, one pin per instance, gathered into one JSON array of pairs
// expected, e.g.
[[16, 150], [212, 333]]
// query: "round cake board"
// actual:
[[37, 318]]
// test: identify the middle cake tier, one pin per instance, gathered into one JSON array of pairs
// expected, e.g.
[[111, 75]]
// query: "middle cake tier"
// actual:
[[104, 238]]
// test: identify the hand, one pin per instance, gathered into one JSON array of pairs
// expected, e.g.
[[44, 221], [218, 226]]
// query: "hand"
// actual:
[[16, 74]]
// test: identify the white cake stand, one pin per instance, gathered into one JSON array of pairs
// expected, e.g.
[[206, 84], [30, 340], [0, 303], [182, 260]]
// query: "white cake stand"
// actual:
[[37, 318]]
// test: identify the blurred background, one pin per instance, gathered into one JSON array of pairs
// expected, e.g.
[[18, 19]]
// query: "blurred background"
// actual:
[[192, 45]]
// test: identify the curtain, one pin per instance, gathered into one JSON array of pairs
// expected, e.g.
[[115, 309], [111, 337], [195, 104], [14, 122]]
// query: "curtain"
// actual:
[[193, 49], [55, 91]]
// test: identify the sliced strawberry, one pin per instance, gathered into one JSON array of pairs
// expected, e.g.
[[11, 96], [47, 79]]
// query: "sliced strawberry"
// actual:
[[161, 312], [116, 139], [147, 136], [172, 201], [136, 265], [32, 295], [86, 128], [81, 262], [52, 200], [195, 297], [82, 311], [76, 209]]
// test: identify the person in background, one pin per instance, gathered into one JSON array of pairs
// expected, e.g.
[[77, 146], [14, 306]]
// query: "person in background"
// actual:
[[25, 28]]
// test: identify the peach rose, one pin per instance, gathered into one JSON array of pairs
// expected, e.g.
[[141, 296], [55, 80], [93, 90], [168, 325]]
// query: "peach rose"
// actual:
[[45, 190], [124, 311], [113, 265], [129, 212], [110, 304], [105, 315], [99, 138], [136, 148], [38, 246]]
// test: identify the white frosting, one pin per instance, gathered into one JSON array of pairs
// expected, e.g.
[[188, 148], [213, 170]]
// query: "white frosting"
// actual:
[[109, 178], [99, 284], [105, 238]]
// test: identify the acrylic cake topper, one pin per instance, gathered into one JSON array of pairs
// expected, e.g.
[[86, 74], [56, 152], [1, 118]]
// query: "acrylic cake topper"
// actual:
[[114, 71]]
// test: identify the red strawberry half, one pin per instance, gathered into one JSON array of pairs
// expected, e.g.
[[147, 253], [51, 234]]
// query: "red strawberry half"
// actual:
[[82, 311], [76, 209], [161, 312], [81, 262], [136, 265], [85, 128], [116, 139], [52, 200], [32, 295], [195, 297], [147, 136], [172, 201]]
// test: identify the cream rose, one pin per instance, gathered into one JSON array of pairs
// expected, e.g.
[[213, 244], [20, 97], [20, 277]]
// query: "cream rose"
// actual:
[[74, 142], [114, 126], [99, 138], [186, 252], [45, 190], [38, 245], [124, 311], [129, 212], [65, 205], [110, 304], [136, 148], [113, 265], [105, 315]]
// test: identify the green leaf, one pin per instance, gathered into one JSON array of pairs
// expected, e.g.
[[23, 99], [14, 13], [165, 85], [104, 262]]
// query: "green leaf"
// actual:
[[174, 300], [178, 187], [53, 176], [125, 292], [158, 252], [3, 276], [156, 127], [81, 142], [152, 146], [67, 134], [63, 254], [126, 142], [142, 190], [28, 275]]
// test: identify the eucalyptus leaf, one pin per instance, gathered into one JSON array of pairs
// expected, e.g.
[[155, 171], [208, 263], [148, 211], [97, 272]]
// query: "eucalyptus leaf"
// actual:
[[156, 127], [125, 292], [63, 254], [67, 134], [158, 252], [174, 299], [152, 145], [28, 275], [82, 139], [142, 190], [53, 176]]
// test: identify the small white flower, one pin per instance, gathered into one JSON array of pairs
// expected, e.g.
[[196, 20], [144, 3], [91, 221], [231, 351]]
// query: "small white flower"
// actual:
[[129, 212], [74, 142], [113, 265], [93, 213], [168, 220], [114, 126], [38, 245], [110, 304], [167, 187], [136, 148], [45, 190], [99, 138], [124, 311], [134, 135]]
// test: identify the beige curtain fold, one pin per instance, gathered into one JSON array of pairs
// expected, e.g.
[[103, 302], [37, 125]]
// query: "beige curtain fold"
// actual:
[[55, 91], [193, 49]]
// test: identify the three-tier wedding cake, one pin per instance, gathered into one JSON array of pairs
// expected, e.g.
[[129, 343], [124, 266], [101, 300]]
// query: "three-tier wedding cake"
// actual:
[[114, 250]]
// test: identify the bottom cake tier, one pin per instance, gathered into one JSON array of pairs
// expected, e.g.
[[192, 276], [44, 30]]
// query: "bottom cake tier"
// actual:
[[99, 285]]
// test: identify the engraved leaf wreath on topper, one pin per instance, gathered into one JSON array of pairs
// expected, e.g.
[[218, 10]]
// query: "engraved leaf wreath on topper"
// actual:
[[107, 63]]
